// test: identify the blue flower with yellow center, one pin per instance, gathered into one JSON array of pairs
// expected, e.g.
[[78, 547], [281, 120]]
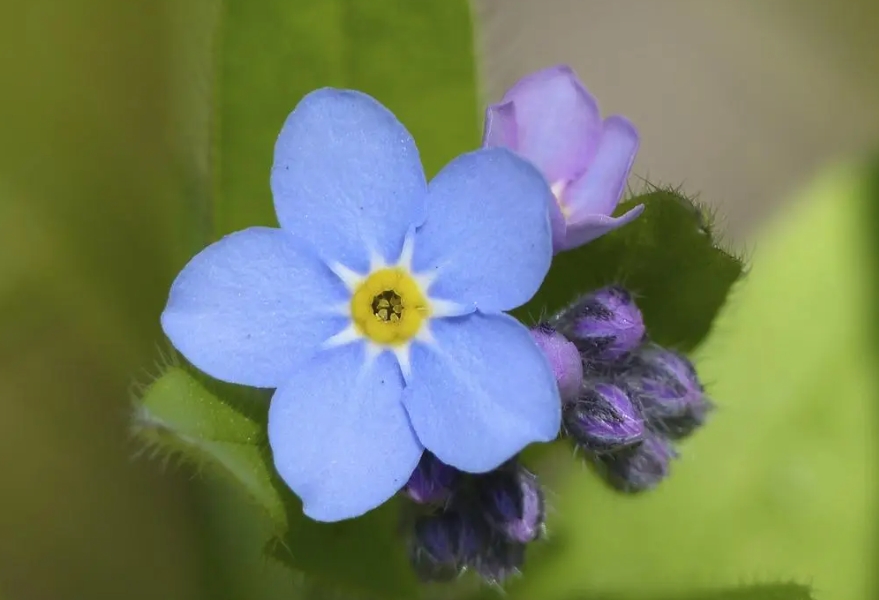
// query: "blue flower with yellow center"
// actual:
[[376, 310]]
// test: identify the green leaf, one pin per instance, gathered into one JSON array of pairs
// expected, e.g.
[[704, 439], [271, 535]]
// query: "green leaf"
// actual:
[[362, 556], [778, 483], [414, 57], [213, 425], [668, 258], [222, 428]]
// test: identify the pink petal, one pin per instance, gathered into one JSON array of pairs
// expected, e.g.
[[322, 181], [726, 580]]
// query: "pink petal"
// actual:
[[594, 226], [558, 122], [599, 190]]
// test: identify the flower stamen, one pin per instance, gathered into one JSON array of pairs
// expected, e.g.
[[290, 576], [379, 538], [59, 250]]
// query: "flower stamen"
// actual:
[[388, 307]]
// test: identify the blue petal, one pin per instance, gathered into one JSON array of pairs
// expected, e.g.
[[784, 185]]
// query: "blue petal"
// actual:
[[481, 392], [249, 307], [340, 435], [347, 177], [487, 236]]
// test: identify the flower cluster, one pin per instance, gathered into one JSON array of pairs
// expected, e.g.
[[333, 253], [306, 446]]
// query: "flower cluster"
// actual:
[[635, 398], [377, 313]]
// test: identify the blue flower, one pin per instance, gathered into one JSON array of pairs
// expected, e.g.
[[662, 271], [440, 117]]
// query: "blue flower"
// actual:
[[376, 310]]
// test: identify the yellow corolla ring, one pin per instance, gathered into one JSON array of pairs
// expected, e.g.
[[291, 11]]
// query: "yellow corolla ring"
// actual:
[[388, 307]]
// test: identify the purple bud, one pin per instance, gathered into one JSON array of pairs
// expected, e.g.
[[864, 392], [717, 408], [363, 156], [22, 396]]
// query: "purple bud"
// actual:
[[666, 386], [437, 537], [432, 481], [501, 560], [513, 505], [640, 467], [445, 542], [604, 419], [564, 359], [605, 324]]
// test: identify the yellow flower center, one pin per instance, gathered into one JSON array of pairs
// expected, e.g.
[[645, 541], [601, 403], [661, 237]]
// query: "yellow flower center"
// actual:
[[388, 307]]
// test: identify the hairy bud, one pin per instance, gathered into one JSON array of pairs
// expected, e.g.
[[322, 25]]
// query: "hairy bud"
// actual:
[[432, 481], [501, 559], [603, 419], [605, 325], [444, 543], [667, 388], [512, 504], [564, 359], [640, 467]]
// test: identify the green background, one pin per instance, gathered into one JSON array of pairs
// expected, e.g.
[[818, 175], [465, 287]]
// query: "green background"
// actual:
[[136, 132]]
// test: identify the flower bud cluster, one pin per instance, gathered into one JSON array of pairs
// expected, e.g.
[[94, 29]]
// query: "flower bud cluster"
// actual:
[[478, 522], [635, 398], [625, 402]]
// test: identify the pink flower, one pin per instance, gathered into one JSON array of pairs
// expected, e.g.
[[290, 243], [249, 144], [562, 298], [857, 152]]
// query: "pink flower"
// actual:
[[551, 119]]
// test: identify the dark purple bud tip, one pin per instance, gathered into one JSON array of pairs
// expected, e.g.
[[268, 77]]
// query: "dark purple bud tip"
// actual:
[[444, 543], [512, 503], [432, 481], [564, 359], [666, 386], [605, 325], [640, 467], [604, 419], [426, 569], [501, 560]]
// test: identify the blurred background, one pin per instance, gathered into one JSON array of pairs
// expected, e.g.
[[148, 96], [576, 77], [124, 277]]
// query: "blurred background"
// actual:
[[741, 101]]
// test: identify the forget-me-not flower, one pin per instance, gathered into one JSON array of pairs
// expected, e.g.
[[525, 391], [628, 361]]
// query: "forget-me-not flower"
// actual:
[[551, 119], [376, 309]]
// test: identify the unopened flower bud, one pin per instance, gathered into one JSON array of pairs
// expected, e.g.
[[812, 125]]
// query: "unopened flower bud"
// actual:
[[512, 503], [666, 386], [446, 542], [640, 467], [564, 359], [604, 419], [501, 559], [605, 324], [432, 481]]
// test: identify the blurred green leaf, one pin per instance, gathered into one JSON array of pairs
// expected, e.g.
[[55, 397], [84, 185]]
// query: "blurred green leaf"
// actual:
[[668, 258], [414, 57], [779, 484], [768, 591], [765, 591]]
